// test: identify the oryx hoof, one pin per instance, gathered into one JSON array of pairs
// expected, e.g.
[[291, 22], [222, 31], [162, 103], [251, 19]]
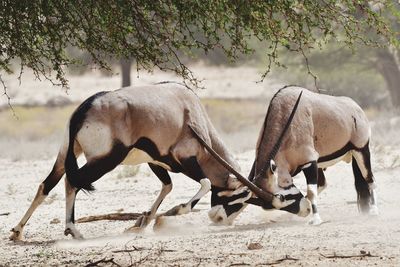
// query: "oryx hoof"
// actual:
[[178, 210], [373, 211], [142, 221], [159, 223], [74, 234], [16, 235], [134, 229], [316, 220]]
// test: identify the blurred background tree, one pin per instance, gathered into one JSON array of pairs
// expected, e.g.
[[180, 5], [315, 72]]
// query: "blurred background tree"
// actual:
[[162, 34]]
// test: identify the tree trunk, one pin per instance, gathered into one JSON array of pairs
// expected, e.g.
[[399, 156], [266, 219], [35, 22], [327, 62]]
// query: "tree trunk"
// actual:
[[126, 71], [389, 69]]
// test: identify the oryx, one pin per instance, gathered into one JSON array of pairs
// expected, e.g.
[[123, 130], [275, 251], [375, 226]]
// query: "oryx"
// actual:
[[147, 124], [325, 130]]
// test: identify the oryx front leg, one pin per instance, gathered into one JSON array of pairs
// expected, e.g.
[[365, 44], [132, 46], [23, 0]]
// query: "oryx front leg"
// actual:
[[146, 218], [192, 169], [311, 172], [70, 196]]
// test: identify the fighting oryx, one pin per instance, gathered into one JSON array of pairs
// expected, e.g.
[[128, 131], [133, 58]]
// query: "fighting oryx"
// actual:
[[325, 130], [320, 131], [148, 124]]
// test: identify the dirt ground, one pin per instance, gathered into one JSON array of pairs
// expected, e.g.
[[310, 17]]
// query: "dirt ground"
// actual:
[[257, 237]]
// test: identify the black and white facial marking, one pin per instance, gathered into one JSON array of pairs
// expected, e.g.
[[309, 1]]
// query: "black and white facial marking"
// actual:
[[226, 205], [287, 198], [293, 201]]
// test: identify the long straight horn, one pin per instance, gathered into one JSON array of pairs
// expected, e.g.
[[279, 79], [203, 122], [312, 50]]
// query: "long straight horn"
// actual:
[[277, 145], [266, 196]]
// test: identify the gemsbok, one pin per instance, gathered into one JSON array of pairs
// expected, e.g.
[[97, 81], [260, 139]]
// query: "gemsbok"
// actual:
[[325, 130], [150, 124]]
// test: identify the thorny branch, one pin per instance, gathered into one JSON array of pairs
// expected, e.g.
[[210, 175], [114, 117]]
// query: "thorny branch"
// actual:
[[158, 33], [5, 93]]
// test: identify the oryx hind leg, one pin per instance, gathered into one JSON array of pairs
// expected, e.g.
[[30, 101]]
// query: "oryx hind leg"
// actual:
[[43, 191], [70, 196], [311, 173], [164, 177], [321, 180], [94, 169], [364, 181]]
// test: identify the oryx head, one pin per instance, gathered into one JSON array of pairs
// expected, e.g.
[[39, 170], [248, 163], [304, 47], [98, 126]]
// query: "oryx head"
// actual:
[[290, 197], [265, 192]]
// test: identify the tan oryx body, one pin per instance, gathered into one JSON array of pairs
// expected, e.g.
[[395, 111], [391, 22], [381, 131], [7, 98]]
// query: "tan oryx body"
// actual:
[[325, 129], [148, 124], [133, 126]]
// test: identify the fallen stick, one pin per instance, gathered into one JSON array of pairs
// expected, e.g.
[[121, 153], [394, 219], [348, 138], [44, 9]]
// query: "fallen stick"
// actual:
[[335, 256], [110, 217], [4, 214], [141, 249], [104, 260], [278, 261]]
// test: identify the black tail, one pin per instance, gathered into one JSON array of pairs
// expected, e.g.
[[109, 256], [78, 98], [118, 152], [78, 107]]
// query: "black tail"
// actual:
[[71, 165], [363, 193]]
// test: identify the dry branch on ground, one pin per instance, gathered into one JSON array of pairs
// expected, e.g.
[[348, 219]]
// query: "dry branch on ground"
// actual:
[[110, 217]]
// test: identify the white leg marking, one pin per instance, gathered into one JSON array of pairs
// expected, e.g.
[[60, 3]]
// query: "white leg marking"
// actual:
[[373, 209], [312, 193], [186, 208], [17, 230], [204, 189], [70, 195]]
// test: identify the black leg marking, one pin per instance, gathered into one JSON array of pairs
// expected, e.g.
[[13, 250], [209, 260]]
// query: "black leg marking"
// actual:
[[311, 173], [192, 169], [321, 178], [314, 208], [363, 193], [161, 173], [194, 203], [367, 162]]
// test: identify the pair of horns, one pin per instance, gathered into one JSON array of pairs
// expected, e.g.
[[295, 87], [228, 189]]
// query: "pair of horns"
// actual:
[[266, 196], [278, 143]]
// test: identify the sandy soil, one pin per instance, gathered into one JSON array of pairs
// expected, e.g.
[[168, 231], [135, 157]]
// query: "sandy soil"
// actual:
[[190, 239]]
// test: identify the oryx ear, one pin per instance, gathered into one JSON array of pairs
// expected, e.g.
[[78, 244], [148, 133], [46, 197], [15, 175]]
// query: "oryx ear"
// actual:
[[272, 166]]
